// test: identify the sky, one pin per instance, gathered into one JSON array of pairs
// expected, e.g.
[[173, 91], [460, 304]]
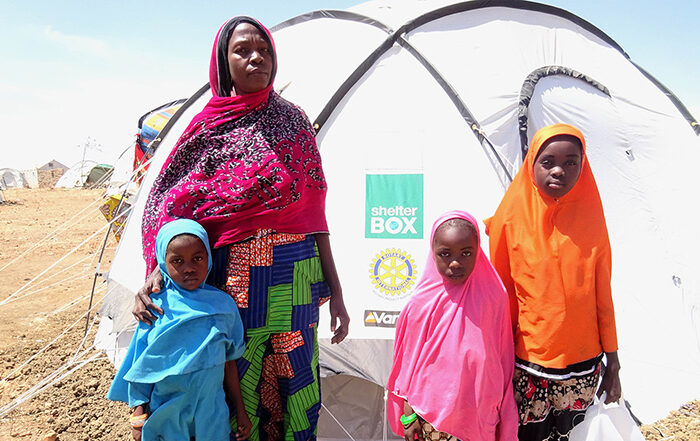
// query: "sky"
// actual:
[[76, 73]]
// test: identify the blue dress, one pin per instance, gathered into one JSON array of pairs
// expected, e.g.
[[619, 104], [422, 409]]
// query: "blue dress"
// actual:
[[177, 365]]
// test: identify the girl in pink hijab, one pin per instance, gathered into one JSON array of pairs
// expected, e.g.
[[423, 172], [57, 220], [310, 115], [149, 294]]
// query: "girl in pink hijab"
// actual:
[[452, 373]]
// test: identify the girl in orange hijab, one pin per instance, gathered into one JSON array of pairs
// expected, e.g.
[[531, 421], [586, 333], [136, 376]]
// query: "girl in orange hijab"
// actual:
[[549, 243]]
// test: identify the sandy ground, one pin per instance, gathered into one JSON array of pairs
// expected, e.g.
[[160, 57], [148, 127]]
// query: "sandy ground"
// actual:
[[37, 229], [34, 312]]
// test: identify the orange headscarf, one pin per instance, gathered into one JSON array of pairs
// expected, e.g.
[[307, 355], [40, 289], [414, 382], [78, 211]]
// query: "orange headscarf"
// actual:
[[553, 256]]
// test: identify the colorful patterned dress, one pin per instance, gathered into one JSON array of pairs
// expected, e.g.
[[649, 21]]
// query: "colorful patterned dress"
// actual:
[[277, 282]]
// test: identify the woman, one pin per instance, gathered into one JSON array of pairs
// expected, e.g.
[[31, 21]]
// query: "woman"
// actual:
[[451, 376], [549, 243], [247, 168]]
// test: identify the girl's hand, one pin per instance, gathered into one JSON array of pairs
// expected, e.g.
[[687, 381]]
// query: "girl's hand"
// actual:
[[142, 302], [138, 410], [244, 425], [611, 379], [413, 431], [338, 315]]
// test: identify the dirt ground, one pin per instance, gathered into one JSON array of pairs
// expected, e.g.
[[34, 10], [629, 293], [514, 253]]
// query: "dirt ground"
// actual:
[[34, 312], [73, 408]]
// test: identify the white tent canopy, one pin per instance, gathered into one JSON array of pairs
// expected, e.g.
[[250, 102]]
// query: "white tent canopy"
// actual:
[[422, 107], [122, 177], [76, 175], [10, 178]]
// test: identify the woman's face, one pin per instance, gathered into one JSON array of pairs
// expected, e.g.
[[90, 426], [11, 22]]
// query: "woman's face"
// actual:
[[454, 250], [557, 166], [250, 59]]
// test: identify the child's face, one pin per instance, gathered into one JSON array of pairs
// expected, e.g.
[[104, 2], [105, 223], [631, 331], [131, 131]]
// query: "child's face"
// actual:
[[454, 251], [187, 261], [557, 166]]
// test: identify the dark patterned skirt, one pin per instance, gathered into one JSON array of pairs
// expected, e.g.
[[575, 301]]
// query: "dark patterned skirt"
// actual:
[[430, 433], [277, 282], [552, 401]]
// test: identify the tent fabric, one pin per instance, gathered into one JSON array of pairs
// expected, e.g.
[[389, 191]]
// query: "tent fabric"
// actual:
[[85, 173], [76, 175], [31, 177], [149, 126], [115, 207], [99, 175], [468, 61], [122, 179], [151, 123], [528, 89], [11, 178]]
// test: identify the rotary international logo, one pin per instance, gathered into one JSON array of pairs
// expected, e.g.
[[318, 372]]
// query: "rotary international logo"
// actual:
[[393, 273]]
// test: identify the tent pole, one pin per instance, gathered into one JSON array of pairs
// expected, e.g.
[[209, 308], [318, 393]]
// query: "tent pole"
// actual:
[[152, 146], [99, 261], [338, 422], [104, 243], [384, 428]]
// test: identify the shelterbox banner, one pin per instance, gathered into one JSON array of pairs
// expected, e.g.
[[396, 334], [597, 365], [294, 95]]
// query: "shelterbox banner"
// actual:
[[423, 106], [394, 206]]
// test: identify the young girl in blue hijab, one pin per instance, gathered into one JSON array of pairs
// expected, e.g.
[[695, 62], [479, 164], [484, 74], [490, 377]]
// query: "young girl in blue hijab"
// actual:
[[175, 371]]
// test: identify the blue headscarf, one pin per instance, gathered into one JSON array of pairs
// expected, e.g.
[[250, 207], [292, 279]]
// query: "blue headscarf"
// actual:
[[170, 231], [199, 329]]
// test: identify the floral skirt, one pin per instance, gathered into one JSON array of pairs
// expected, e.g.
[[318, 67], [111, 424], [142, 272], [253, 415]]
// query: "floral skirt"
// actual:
[[277, 282], [552, 401], [430, 433]]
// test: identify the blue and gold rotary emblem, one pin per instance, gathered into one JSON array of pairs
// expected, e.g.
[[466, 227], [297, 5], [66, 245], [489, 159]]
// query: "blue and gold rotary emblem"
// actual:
[[393, 273]]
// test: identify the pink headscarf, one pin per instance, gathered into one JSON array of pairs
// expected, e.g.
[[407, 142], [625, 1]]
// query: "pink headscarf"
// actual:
[[244, 163], [453, 354], [222, 107]]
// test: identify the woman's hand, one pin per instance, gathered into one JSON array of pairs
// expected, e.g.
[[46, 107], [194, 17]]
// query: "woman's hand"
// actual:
[[340, 320], [136, 433], [244, 425], [143, 304], [611, 379]]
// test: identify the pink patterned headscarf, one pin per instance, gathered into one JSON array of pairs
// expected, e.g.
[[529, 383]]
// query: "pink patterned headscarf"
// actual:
[[244, 163], [453, 354]]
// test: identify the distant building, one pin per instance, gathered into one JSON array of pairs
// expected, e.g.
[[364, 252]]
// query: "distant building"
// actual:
[[53, 165], [50, 172]]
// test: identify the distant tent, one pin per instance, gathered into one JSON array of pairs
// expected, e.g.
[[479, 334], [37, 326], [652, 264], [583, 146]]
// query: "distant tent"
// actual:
[[31, 177], [98, 176], [11, 178], [76, 175]]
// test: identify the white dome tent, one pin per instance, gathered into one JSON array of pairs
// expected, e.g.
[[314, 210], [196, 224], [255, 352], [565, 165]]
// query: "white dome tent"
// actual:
[[76, 175], [426, 106], [11, 178]]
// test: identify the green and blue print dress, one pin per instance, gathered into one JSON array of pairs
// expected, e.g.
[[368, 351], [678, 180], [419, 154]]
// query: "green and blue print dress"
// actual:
[[278, 284]]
